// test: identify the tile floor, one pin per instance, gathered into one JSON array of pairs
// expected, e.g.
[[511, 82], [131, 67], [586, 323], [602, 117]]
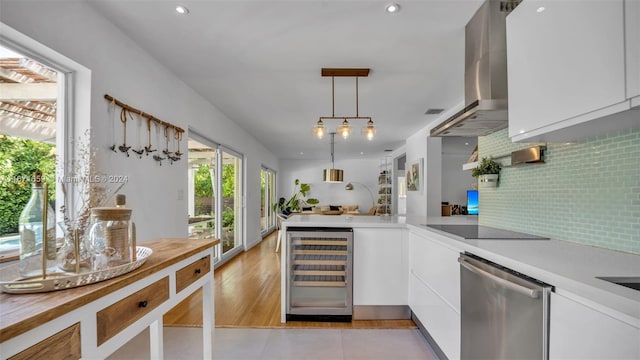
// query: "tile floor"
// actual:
[[246, 343]]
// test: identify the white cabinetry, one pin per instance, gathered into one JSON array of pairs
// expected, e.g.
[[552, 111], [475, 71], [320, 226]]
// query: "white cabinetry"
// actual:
[[632, 36], [579, 331], [434, 291], [380, 266], [567, 65]]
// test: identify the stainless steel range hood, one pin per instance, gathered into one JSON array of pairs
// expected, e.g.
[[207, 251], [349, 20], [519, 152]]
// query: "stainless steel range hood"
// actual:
[[485, 74]]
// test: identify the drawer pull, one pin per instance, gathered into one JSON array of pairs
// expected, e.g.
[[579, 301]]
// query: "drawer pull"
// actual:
[[198, 271], [143, 304]]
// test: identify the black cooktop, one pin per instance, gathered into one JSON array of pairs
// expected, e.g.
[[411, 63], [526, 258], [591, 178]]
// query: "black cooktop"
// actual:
[[484, 232]]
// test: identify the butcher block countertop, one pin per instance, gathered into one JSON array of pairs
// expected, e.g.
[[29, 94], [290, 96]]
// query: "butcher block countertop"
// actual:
[[23, 312]]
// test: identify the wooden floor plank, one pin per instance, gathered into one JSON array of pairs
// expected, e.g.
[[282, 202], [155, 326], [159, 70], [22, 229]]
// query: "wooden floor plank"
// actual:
[[247, 294]]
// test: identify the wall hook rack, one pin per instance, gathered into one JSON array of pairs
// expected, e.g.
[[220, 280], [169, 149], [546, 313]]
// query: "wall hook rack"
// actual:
[[168, 127]]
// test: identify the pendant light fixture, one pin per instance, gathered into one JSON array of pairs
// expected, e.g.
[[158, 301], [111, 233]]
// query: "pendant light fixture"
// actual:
[[332, 175], [344, 129]]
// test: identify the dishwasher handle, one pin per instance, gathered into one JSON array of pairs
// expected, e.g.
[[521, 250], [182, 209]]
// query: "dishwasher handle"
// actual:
[[532, 293]]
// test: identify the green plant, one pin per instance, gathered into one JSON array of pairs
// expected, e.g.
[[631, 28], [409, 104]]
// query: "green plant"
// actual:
[[227, 218], [202, 182], [297, 199], [485, 167], [19, 158]]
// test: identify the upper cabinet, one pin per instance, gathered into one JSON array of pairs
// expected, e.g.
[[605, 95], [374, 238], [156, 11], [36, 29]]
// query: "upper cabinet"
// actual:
[[573, 68], [632, 37]]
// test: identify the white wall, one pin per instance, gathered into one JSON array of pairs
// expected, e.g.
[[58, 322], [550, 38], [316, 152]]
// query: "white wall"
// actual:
[[421, 146], [437, 173], [121, 68], [363, 171], [455, 181]]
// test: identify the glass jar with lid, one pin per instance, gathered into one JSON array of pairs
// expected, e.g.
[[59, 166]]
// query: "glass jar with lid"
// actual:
[[111, 237]]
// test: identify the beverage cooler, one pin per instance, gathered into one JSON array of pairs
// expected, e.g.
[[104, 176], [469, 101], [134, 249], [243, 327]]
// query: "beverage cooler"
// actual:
[[319, 273]]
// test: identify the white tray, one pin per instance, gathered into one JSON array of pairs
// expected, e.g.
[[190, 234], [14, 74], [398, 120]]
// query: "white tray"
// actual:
[[66, 280]]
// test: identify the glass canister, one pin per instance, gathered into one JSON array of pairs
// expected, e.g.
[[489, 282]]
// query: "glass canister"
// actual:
[[111, 237]]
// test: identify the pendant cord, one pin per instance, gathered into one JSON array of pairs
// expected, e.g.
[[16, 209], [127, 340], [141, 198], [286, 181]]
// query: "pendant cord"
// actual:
[[332, 144], [333, 97], [357, 112]]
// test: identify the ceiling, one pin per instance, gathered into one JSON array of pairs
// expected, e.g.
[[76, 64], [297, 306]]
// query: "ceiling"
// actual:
[[259, 62], [28, 98]]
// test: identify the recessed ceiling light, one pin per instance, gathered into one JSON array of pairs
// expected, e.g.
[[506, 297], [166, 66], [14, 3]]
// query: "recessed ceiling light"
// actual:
[[182, 10], [392, 8], [540, 9]]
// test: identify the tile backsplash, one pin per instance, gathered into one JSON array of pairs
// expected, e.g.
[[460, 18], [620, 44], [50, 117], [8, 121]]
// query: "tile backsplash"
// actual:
[[586, 192]]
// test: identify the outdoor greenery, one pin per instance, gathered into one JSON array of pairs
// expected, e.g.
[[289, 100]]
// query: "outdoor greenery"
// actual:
[[228, 180], [19, 159], [202, 182], [203, 188]]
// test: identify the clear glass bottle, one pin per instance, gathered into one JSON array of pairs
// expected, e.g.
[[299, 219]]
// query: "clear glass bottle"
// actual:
[[111, 236], [31, 226]]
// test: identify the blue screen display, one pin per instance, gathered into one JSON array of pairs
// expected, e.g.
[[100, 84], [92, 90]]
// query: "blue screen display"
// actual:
[[472, 202]]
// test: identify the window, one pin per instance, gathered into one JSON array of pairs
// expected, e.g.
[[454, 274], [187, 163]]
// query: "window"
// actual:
[[30, 129], [267, 199]]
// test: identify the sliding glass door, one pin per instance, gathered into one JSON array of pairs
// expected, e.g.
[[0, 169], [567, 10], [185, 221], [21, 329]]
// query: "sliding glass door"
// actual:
[[267, 199], [215, 195], [231, 201]]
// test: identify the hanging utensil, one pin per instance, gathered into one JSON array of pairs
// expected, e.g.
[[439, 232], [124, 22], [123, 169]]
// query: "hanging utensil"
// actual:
[[158, 158], [178, 137], [123, 118], [166, 151], [148, 148], [113, 121], [140, 149], [166, 137]]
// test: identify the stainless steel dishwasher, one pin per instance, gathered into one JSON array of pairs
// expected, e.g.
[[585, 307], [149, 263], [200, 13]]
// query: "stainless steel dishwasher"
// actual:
[[505, 314], [319, 274]]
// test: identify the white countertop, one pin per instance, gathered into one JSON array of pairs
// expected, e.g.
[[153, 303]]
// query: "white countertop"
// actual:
[[345, 221], [570, 267], [373, 221]]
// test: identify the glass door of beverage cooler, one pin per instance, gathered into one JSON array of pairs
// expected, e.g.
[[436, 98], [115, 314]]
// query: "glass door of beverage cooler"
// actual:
[[319, 272]]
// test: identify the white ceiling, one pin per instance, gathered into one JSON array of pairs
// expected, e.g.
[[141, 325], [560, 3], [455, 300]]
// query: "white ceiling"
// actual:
[[259, 62]]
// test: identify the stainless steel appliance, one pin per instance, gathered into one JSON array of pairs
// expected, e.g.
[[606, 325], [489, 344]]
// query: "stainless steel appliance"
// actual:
[[505, 314], [319, 273], [485, 74]]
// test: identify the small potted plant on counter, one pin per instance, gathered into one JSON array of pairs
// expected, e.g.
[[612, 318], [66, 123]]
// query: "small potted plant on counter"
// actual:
[[487, 173]]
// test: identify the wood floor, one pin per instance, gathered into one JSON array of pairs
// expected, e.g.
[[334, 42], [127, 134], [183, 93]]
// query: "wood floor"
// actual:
[[247, 294]]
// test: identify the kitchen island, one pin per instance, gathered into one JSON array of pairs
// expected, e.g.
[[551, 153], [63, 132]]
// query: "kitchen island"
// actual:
[[421, 263], [380, 260]]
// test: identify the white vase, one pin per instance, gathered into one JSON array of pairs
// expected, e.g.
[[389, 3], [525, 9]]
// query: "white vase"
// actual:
[[488, 181]]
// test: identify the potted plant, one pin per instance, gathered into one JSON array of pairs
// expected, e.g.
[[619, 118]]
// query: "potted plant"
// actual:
[[487, 172], [297, 199]]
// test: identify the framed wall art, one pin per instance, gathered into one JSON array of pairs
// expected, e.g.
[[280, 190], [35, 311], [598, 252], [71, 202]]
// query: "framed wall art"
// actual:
[[415, 176]]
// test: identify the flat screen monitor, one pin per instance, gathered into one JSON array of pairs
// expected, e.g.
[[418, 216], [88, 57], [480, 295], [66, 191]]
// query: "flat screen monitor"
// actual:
[[472, 202]]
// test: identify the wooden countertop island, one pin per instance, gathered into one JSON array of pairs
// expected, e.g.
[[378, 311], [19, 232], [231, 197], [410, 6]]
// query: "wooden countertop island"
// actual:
[[93, 321]]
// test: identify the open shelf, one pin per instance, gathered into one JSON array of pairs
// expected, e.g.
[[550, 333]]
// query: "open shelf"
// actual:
[[469, 166]]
